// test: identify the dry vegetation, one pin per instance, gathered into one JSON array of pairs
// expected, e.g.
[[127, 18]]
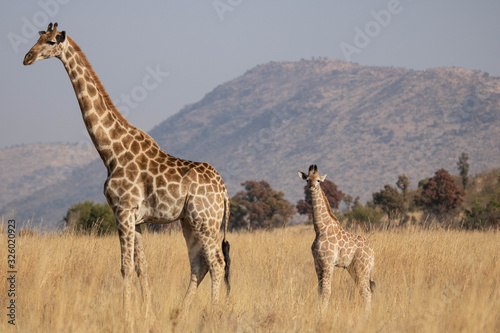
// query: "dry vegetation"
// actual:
[[427, 281]]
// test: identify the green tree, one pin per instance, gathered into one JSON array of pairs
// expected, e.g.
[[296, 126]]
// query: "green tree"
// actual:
[[264, 207], [333, 195], [463, 168], [89, 216], [440, 194], [347, 199], [390, 201], [403, 184]]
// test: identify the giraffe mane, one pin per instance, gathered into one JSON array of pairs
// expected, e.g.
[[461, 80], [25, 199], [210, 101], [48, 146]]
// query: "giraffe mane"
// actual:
[[329, 208], [98, 83]]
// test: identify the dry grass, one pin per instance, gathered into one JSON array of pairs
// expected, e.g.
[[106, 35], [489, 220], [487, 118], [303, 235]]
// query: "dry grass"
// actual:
[[427, 281]]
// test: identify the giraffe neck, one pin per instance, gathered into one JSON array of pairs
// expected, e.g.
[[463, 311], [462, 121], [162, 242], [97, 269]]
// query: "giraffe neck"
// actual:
[[104, 123], [322, 214]]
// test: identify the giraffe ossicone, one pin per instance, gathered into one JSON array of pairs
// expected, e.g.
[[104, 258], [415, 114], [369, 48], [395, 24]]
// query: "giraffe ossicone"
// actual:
[[335, 247], [145, 184]]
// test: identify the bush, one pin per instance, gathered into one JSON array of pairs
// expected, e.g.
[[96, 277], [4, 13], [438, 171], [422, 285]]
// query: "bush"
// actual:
[[367, 214], [86, 217], [477, 217]]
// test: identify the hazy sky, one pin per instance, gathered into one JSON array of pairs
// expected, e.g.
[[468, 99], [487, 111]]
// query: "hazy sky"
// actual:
[[181, 50]]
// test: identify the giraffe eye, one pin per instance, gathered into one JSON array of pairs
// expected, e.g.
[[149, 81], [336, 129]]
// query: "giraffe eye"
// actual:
[[51, 42]]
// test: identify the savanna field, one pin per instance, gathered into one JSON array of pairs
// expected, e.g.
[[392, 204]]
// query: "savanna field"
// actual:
[[426, 281]]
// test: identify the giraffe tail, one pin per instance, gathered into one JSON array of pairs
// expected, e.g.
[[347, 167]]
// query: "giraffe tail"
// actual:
[[372, 286], [225, 245]]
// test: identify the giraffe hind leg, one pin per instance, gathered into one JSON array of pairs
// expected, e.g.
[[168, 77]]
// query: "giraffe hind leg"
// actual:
[[199, 267], [215, 262], [199, 270], [361, 277]]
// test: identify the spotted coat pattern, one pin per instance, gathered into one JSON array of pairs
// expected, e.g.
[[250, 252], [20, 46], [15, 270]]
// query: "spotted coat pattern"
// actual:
[[144, 184], [335, 247]]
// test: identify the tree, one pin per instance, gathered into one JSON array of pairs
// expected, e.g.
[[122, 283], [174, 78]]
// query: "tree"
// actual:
[[440, 194], [390, 201], [333, 195], [88, 216], [463, 168], [237, 215], [348, 201], [264, 207], [403, 184]]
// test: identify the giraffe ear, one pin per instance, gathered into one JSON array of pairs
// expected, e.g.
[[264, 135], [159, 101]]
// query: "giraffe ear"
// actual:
[[61, 37], [302, 175], [322, 178], [41, 33]]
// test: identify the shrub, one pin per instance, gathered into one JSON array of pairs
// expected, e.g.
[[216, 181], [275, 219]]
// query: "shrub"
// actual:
[[362, 213], [477, 217], [88, 216]]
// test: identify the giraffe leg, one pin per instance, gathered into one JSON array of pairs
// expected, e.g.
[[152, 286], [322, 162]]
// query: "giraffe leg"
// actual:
[[362, 276], [215, 262], [324, 273], [199, 267], [326, 287], [126, 233], [366, 293], [141, 268], [319, 273]]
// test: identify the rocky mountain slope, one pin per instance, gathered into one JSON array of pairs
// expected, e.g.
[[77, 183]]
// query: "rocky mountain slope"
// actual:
[[361, 125], [25, 169]]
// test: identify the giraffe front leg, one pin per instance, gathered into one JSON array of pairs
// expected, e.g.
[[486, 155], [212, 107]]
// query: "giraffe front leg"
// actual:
[[325, 287], [319, 273], [324, 278], [141, 268], [126, 233]]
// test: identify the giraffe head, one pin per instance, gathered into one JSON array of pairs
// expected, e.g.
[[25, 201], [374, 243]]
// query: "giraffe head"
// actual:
[[50, 44], [313, 178]]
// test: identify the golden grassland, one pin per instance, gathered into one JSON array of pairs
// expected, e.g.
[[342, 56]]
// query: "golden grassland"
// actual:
[[427, 281]]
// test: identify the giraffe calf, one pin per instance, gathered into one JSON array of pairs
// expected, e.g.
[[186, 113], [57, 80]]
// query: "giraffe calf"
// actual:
[[335, 247]]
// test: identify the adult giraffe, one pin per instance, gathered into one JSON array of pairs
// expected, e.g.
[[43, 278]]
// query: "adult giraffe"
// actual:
[[145, 184], [335, 247]]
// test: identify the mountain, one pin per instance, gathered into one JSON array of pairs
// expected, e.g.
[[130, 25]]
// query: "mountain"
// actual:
[[25, 169], [361, 125]]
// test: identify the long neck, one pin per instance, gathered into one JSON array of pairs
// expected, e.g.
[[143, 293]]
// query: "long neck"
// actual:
[[322, 214], [102, 119]]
